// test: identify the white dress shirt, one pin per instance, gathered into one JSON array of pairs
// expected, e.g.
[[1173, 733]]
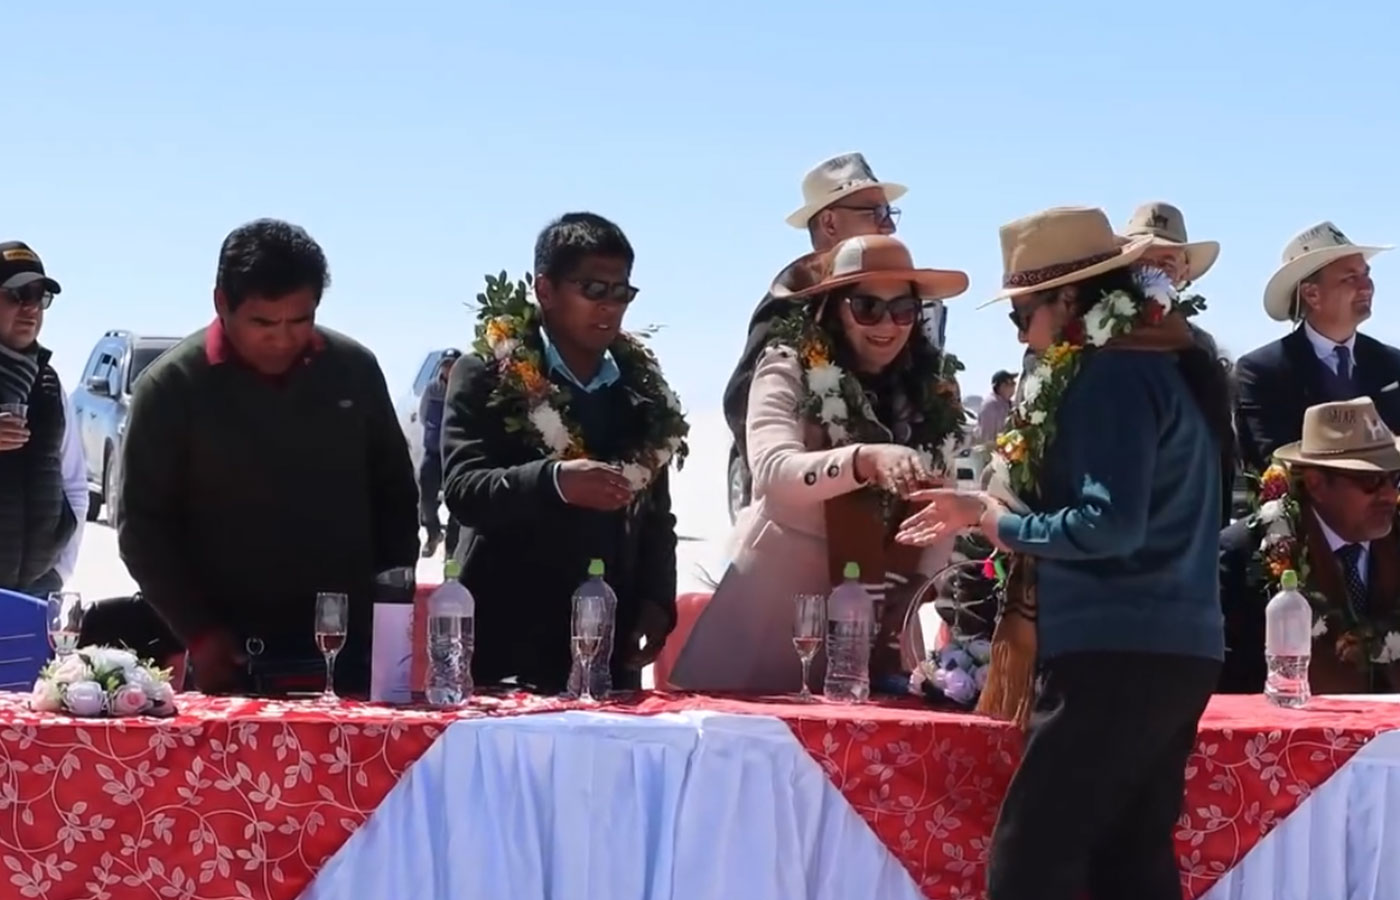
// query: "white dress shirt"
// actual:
[[1336, 542], [75, 487], [1326, 349]]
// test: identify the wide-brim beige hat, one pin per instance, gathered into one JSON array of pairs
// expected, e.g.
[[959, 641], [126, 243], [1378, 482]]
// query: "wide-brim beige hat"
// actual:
[[1309, 251], [871, 257], [1166, 226], [836, 178], [1061, 246], [1347, 435]]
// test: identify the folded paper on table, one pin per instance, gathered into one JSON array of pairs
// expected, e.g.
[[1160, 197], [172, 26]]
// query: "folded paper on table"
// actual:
[[391, 668]]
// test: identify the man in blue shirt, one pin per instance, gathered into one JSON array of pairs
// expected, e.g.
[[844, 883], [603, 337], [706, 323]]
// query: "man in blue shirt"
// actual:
[[430, 470]]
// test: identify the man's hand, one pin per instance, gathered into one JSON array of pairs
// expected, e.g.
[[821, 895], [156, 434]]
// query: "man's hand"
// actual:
[[14, 432], [216, 659], [647, 639], [593, 485]]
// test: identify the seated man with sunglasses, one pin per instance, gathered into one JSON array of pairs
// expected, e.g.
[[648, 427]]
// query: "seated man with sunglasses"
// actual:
[[1342, 542], [543, 481], [43, 479]]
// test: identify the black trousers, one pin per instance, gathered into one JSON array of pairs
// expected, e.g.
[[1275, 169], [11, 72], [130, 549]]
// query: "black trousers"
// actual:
[[1092, 808], [429, 491]]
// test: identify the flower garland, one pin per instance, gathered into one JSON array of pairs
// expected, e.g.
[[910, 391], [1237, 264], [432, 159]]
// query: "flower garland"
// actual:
[[103, 681], [1022, 447], [508, 336], [837, 403], [1359, 638]]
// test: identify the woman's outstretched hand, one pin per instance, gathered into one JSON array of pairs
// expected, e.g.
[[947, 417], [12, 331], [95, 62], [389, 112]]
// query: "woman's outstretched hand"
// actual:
[[947, 513], [898, 469]]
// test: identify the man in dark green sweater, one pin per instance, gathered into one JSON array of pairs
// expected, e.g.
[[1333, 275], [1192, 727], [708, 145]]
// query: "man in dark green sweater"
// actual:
[[263, 464]]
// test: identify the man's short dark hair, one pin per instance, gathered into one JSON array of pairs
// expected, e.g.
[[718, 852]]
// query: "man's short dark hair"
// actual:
[[568, 239], [1002, 377], [269, 258]]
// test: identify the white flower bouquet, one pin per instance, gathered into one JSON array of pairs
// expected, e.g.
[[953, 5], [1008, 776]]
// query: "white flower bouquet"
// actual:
[[103, 681], [956, 672]]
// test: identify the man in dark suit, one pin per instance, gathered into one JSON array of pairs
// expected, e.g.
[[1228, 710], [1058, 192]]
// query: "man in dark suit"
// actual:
[[1325, 287], [539, 489], [841, 198], [1336, 529]]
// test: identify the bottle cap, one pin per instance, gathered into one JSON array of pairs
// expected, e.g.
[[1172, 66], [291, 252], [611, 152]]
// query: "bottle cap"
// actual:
[[451, 570], [852, 571], [1288, 580], [595, 568]]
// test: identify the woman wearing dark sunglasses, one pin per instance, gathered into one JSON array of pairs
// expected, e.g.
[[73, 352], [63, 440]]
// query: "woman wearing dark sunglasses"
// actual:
[[851, 406]]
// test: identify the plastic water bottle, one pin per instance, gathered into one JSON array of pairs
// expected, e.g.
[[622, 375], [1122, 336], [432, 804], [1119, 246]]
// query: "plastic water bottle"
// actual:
[[451, 639], [850, 622], [602, 662], [1288, 621]]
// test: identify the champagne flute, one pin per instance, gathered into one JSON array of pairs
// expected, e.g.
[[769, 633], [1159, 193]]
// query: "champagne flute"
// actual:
[[808, 631], [332, 623], [65, 617], [587, 638]]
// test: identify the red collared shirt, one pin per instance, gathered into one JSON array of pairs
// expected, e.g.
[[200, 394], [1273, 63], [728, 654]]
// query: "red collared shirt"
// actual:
[[218, 349]]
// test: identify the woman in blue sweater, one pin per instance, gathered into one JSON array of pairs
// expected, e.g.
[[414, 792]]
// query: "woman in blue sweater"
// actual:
[[1106, 497]]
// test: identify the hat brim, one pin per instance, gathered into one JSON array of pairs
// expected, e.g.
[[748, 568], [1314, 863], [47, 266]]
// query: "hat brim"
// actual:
[[23, 279], [931, 284], [1129, 253], [804, 215], [1279, 292], [1382, 459]]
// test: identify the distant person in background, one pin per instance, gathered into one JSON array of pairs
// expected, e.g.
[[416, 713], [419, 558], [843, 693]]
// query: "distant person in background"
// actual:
[[1324, 288], [43, 476], [537, 507], [991, 419], [264, 464], [841, 198], [430, 470]]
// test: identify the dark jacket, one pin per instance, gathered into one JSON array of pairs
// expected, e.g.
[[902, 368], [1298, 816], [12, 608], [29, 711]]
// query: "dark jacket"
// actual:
[[524, 550], [243, 498], [1126, 544], [1280, 380], [430, 414], [736, 391], [36, 521]]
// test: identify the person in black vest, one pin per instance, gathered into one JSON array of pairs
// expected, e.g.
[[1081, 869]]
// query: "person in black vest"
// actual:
[[1324, 286], [39, 524], [841, 198], [556, 435], [264, 463]]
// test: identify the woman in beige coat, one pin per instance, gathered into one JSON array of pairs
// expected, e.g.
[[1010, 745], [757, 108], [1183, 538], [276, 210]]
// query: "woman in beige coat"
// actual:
[[850, 407]]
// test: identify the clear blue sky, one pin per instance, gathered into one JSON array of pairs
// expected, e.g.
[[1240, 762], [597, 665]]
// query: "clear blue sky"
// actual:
[[424, 144]]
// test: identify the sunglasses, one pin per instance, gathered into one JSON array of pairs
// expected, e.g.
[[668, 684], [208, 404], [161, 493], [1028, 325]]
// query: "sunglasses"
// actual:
[[1370, 482], [30, 295], [1021, 316], [881, 212], [598, 291], [867, 310]]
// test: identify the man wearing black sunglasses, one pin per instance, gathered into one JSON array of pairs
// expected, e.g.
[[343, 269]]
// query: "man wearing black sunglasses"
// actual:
[[1343, 474], [43, 485], [842, 199]]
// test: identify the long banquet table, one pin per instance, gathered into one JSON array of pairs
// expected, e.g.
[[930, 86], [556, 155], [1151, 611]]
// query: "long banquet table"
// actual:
[[650, 796]]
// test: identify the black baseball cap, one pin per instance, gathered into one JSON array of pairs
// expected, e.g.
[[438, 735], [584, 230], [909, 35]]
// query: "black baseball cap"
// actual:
[[20, 266], [1002, 377]]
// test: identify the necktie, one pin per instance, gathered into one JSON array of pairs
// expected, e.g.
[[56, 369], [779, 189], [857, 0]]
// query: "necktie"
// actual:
[[1343, 362], [1349, 555]]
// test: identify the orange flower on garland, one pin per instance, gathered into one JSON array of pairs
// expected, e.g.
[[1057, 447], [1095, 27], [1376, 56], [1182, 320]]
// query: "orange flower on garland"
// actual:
[[1273, 484]]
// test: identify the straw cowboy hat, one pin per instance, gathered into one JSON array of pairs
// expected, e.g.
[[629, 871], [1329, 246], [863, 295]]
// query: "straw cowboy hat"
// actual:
[[1061, 246], [1347, 435], [1166, 226], [835, 178], [865, 258], [1305, 254]]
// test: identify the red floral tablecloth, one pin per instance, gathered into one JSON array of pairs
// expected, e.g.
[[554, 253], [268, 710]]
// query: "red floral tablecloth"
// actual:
[[247, 799]]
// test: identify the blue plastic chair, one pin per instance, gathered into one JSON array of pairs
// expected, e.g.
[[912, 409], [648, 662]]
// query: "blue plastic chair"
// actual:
[[24, 640]]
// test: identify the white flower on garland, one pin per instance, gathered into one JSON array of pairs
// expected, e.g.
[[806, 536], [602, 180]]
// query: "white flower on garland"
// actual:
[[1271, 511], [638, 476], [546, 420], [824, 380], [1155, 284], [1031, 385], [505, 348], [1390, 650], [1319, 627], [833, 409]]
